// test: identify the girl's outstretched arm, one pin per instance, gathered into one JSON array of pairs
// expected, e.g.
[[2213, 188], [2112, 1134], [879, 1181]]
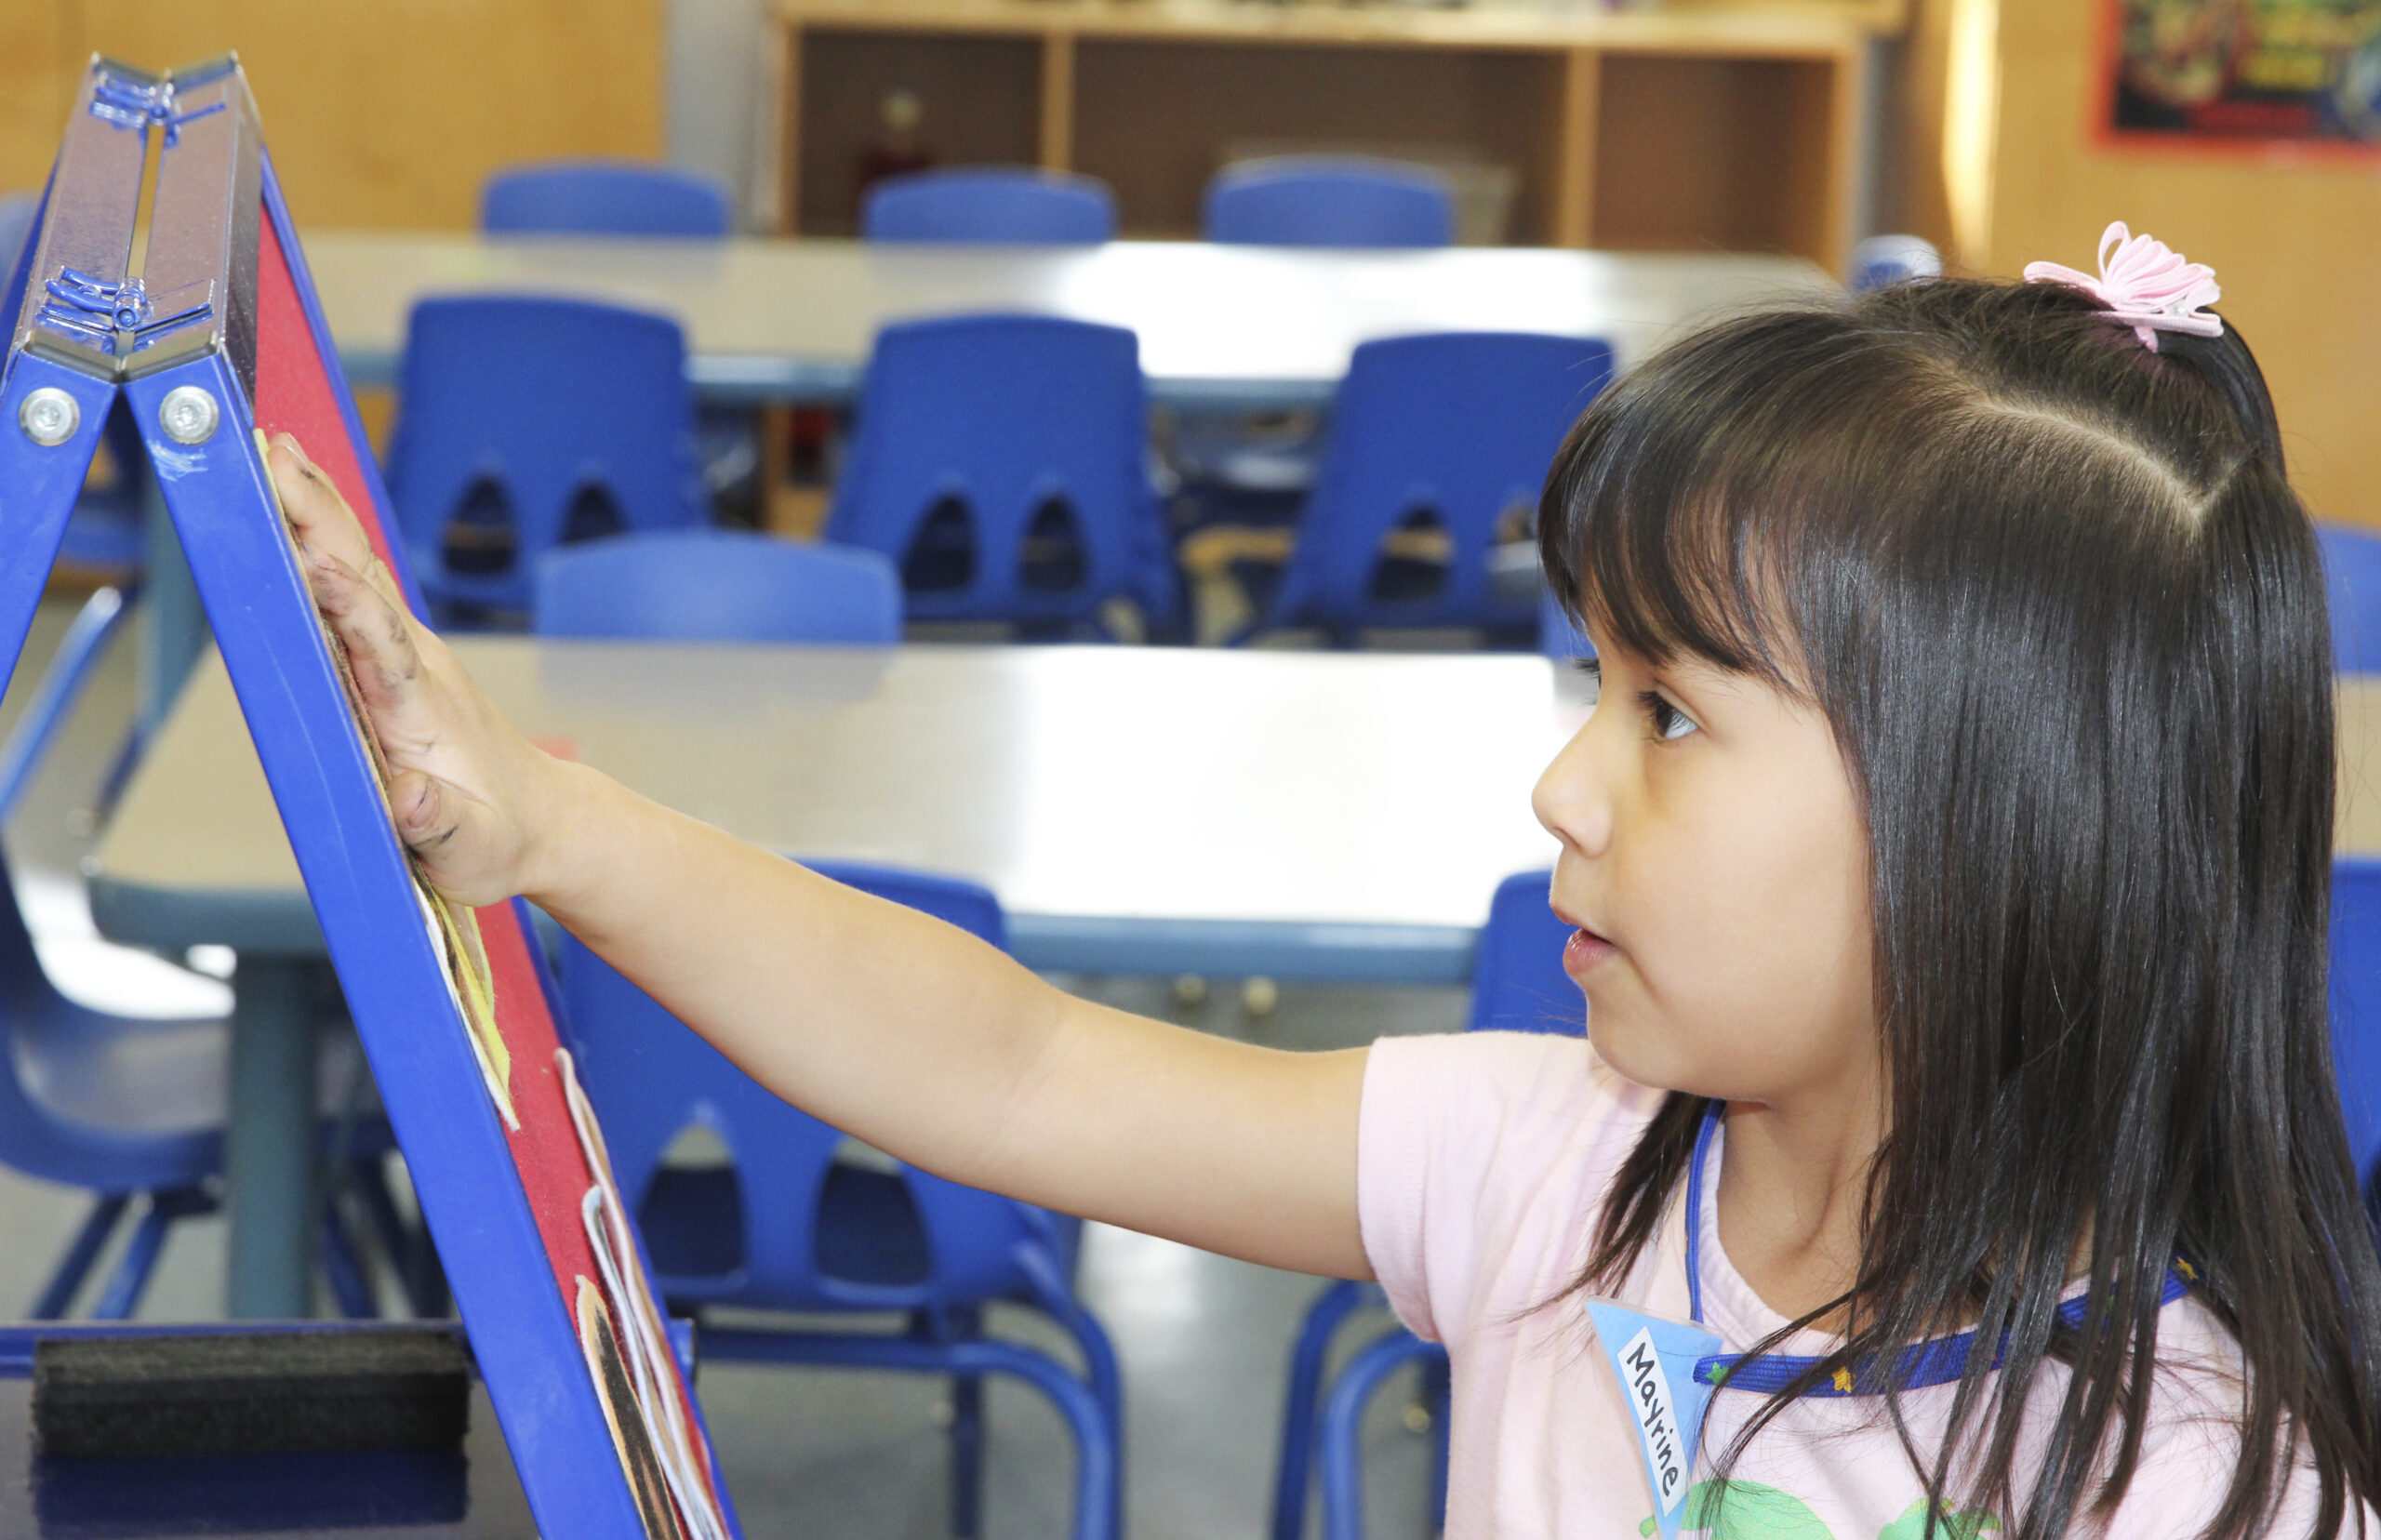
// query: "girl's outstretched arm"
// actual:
[[894, 1026]]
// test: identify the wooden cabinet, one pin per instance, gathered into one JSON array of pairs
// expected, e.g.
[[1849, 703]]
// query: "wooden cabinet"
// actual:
[[1678, 129]]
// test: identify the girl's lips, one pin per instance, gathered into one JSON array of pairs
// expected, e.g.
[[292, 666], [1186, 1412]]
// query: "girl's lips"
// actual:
[[1584, 950]]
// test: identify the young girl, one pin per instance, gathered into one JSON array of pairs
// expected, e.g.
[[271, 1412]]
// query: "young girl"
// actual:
[[1948, 850]]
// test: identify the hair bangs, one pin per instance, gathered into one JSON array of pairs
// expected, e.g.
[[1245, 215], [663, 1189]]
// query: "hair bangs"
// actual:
[[1698, 505]]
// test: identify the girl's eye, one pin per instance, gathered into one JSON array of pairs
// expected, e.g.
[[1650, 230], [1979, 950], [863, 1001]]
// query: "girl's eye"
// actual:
[[1593, 668], [1668, 719]]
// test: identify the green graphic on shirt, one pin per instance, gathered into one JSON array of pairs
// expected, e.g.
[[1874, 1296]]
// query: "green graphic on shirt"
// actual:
[[1753, 1512], [1958, 1524]]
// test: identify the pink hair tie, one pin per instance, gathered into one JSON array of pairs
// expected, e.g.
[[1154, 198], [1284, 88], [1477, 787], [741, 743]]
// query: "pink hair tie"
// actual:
[[2145, 285]]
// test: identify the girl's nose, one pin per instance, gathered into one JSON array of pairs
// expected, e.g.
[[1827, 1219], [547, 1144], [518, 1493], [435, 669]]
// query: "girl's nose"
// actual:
[[1572, 800]]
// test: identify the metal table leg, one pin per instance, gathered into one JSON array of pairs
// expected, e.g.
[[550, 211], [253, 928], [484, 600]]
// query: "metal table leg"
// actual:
[[269, 1144]]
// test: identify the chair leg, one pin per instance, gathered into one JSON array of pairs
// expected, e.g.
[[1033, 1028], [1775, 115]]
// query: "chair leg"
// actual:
[[1342, 1430], [58, 1294], [1292, 1477], [1055, 1297], [966, 1324], [1438, 1375], [1097, 1456], [130, 1279], [343, 1269], [406, 1246], [967, 1455]]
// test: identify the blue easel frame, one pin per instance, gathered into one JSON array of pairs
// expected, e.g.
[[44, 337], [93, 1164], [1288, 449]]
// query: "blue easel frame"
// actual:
[[217, 493]]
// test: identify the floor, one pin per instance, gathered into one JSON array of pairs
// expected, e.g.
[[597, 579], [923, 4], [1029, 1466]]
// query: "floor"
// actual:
[[1203, 1341]]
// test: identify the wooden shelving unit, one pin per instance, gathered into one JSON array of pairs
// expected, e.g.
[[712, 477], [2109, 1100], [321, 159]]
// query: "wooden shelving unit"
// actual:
[[1694, 127]]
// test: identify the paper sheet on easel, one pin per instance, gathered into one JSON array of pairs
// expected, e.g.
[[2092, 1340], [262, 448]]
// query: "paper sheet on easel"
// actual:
[[684, 1459], [630, 1436]]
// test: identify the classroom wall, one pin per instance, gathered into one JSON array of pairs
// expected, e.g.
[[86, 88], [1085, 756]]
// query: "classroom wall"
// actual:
[[380, 113], [719, 61], [2289, 232]]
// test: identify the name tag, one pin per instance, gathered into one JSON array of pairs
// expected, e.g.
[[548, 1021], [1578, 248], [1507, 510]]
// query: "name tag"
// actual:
[[1654, 1361]]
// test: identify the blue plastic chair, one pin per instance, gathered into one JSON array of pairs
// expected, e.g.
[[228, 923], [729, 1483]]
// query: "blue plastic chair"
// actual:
[[1451, 432], [718, 586], [526, 423], [2355, 1009], [2352, 591], [606, 197], [1559, 636], [132, 1108], [1518, 985], [791, 1227], [1329, 201], [635, 199], [990, 205], [1001, 460], [17, 211], [1235, 468], [1882, 259]]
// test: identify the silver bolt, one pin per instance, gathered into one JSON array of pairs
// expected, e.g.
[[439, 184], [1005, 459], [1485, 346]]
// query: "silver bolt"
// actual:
[[50, 417], [188, 414]]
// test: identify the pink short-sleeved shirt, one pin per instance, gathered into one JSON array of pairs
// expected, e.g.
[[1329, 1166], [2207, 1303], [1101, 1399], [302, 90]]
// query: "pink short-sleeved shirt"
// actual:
[[1483, 1164]]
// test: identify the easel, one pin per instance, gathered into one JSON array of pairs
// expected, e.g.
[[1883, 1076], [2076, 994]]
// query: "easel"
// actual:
[[216, 342]]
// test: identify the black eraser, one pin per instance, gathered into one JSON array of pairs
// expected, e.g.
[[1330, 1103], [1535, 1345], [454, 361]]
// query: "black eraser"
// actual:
[[250, 1392]]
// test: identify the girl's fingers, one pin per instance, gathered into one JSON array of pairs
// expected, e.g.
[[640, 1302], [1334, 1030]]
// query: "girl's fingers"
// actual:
[[430, 817], [376, 633], [323, 520], [316, 508], [459, 840]]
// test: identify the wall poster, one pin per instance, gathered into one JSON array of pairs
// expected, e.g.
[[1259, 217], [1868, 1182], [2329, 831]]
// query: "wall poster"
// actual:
[[2245, 73]]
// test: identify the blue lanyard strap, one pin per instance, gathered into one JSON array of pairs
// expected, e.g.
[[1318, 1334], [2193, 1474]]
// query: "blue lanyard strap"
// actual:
[[1938, 1361]]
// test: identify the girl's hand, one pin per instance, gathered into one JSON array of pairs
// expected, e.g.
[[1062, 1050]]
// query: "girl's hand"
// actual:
[[467, 792]]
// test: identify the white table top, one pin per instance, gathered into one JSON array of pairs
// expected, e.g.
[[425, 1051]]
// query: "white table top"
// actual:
[[1112, 797], [1343, 815], [793, 319]]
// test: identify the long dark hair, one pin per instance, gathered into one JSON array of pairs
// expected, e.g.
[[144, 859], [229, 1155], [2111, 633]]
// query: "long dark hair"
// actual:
[[2055, 598]]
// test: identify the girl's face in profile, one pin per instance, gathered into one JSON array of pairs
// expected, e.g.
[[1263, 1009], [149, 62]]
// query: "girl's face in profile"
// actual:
[[1714, 860]]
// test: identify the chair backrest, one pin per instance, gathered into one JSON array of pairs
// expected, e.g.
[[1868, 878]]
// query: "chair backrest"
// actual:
[[601, 197], [986, 443], [2352, 591], [708, 585], [552, 420], [1451, 432], [1518, 984], [17, 211], [1329, 201], [1882, 259], [994, 205], [2356, 1006], [651, 1079], [43, 1033], [1559, 636]]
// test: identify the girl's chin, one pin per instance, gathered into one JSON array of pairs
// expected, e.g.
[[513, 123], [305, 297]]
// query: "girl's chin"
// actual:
[[1634, 1052]]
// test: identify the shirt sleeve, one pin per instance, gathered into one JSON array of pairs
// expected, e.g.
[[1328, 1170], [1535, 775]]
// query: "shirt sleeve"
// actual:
[[1480, 1159]]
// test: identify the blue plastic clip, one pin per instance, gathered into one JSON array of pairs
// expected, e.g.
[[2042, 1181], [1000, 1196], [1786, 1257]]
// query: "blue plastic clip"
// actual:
[[128, 104], [93, 310]]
